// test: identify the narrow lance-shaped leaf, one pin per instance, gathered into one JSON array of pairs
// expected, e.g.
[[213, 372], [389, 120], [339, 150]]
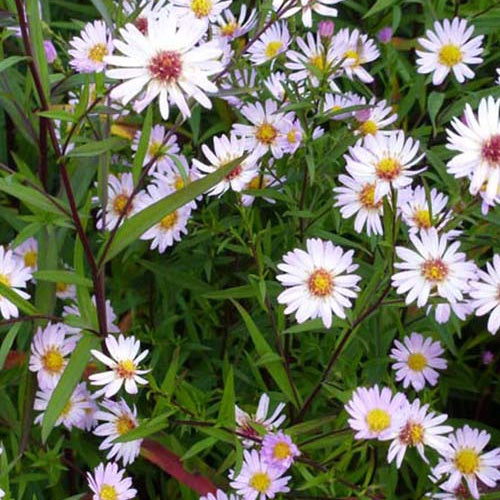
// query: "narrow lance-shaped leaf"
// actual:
[[143, 146]]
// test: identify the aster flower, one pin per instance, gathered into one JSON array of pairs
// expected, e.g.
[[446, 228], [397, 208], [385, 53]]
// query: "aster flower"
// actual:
[[419, 428], [290, 138], [123, 359], [417, 360], [13, 274], [157, 147], [260, 181], [465, 460], [355, 197], [321, 7], [354, 49], [485, 293], [88, 421], [319, 281], [449, 48], [337, 102], [28, 252], [49, 349], [169, 62], [227, 26], [478, 144], [384, 161], [219, 495], [374, 118], [244, 420], [199, 10], [90, 48], [461, 492], [118, 419], [144, 10], [108, 483], [270, 44], [375, 413], [172, 226], [238, 83], [65, 291], [275, 83], [258, 480], [278, 450]]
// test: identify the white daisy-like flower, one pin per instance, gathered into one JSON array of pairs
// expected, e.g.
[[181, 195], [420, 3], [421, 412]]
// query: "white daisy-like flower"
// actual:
[[169, 62], [384, 161], [90, 48], [376, 413], [485, 293], [157, 147], [354, 49], [88, 422], [172, 226], [146, 9], [245, 421], [119, 191], [442, 312], [65, 291], [374, 118], [261, 181], [434, 267], [319, 281], [123, 359], [13, 274], [28, 252], [334, 103], [266, 128], [465, 460], [227, 26], [219, 495], [478, 142], [275, 83], [461, 492], [307, 7], [278, 450], [107, 483], [419, 428], [118, 419], [73, 413], [355, 197], [417, 360], [290, 138], [271, 43], [199, 10], [257, 479], [449, 48], [227, 149], [49, 349]]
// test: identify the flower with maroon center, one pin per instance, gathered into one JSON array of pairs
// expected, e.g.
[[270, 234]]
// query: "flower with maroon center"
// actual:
[[123, 359], [318, 281], [170, 62], [433, 267]]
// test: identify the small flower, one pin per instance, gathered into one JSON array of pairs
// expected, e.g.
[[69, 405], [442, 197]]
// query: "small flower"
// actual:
[[417, 361], [326, 29], [123, 359], [278, 450], [435, 267], [219, 495], [158, 148], [464, 459], [317, 281], [291, 135], [260, 181], [65, 291], [28, 252], [307, 7], [13, 274], [478, 143], [258, 480], [108, 483], [119, 419], [337, 102], [226, 25], [375, 118], [487, 358], [449, 48], [50, 51], [419, 428], [485, 293], [376, 413], [49, 349], [90, 48], [199, 10], [385, 34], [270, 44]]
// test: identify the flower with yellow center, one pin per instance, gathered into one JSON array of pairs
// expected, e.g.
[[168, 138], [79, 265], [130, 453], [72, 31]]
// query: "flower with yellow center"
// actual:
[[368, 127], [260, 481], [5, 280], [320, 283], [352, 54], [266, 133], [89, 50], [434, 270], [53, 361], [120, 203], [378, 420], [450, 55], [422, 218], [97, 52], [417, 361], [467, 461], [108, 492], [281, 450], [30, 258], [107, 482], [201, 8], [124, 424], [367, 197], [388, 169], [169, 221], [272, 48]]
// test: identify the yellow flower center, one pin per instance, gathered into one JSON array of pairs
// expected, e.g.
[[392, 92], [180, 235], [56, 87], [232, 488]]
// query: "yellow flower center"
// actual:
[[228, 29], [266, 133], [124, 424], [318, 61], [412, 434], [367, 197], [256, 183], [53, 360], [281, 451], [260, 481], [450, 54], [291, 137], [201, 8], [467, 461], [108, 492], [352, 54], [388, 169], [169, 221], [126, 368], [156, 149], [119, 204], [4, 280], [369, 127], [273, 48], [179, 182], [320, 283], [422, 219], [61, 287], [434, 270], [67, 408], [97, 52], [416, 361], [378, 420], [30, 258]]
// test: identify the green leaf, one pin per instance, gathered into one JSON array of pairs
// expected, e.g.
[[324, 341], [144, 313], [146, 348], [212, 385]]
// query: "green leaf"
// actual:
[[434, 103], [199, 447], [237, 292], [226, 410], [378, 6], [133, 228], [11, 61], [36, 35], [97, 147], [274, 367], [103, 10], [143, 146], [71, 376], [7, 342], [64, 116], [69, 277], [8, 293], [145, 428], [168, 383]]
